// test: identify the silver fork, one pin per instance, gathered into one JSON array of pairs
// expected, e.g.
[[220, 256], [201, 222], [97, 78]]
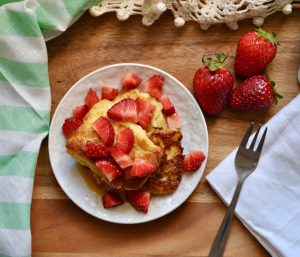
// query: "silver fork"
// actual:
[[246, 160]]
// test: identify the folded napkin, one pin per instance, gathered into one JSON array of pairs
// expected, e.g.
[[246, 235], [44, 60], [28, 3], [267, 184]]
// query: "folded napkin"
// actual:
[[25, 106], [269, 204]]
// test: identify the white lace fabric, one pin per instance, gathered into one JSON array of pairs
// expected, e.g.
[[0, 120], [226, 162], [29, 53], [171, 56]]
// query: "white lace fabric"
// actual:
[[205, 12]]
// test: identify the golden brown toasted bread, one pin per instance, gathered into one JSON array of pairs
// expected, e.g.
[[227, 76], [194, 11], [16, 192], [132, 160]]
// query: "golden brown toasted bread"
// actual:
[[168, 176], [143, 147]]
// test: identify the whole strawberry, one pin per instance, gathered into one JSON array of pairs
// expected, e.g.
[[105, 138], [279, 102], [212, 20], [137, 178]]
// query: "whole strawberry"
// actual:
[[255, 50], [257, 93], [212, 85]]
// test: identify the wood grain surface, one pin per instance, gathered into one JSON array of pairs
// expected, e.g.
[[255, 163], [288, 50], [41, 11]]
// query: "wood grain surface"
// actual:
[[60, 228]]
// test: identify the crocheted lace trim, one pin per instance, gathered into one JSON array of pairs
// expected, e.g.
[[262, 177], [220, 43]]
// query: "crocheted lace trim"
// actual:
[[205, 12]]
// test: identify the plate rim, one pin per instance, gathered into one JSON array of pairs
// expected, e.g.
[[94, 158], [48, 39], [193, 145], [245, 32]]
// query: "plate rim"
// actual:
[[114, 66]]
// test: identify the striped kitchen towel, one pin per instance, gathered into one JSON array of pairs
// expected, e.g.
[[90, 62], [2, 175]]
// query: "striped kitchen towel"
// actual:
[[25, 104]]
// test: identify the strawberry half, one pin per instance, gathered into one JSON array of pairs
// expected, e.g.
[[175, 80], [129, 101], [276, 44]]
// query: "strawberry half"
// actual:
[[123, 160], [125, 140], [111, 199], [193, 161], [130, 80], [80, 111], [153, 86], [70, 126], [109, 170], [139, 200], [168, 107], [105, 131], [125, 110], [174, 121], [109, 93], [145, 112], [96, 150], [141, 168], [91, 98]]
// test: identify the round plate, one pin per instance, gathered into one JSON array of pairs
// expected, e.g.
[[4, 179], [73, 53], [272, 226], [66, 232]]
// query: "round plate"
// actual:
[[66, 170]]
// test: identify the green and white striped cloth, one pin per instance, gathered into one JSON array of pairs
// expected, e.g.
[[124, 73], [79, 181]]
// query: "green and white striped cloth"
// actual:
[[25, 104]]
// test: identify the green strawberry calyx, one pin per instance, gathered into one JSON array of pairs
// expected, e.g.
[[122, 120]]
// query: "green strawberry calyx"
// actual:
[[214, 64], [277, 95], [269, 36]]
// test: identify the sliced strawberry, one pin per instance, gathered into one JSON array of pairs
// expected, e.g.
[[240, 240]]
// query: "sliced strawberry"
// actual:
[[193, 160], [91, 98], [168, 107], [145, 120], [153, 86], [123, 160], [145, 111], [94, 149], [70, 126], [109, 170], [105, 131], [125, 110], [139, 200], [109, 93], [130, 81], [125, 140], [80, 111], [111, 199], [173, 121], [141, 168]]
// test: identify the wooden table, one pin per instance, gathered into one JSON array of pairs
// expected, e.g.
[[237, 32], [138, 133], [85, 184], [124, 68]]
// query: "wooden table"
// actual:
[[61, 229]]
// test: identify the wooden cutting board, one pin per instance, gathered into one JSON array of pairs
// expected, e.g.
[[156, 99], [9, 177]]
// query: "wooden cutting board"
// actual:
[[60, 228]]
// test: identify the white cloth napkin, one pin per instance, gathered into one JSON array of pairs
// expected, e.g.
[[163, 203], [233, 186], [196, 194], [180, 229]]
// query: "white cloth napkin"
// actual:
[[269, 204]]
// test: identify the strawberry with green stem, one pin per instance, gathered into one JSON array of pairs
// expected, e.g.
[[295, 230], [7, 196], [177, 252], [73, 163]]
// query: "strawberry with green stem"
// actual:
[[213, 84], [257, 93], [255, 50]]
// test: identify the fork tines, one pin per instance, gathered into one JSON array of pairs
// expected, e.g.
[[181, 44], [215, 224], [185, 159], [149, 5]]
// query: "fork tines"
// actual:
[[248, 134]]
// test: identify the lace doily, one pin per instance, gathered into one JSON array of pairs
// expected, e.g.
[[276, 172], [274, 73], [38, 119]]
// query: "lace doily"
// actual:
[[205, 12]]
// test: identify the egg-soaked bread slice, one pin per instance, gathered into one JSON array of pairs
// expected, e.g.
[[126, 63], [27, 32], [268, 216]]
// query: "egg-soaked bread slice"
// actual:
[[143, 147], [168, 176], [158, 119]]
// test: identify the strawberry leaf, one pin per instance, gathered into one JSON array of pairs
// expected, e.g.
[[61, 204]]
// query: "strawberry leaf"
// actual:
[[269, 36], [276, 93], [214, 64]]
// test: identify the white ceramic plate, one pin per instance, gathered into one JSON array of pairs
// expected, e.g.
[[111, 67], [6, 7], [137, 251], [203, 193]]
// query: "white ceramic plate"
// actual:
[[65, 169]]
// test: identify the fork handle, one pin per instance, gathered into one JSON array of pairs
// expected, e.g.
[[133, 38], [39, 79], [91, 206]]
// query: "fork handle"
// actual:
[[218, 246]]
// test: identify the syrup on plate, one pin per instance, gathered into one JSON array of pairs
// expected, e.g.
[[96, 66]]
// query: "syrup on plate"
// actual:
[[90, 180]]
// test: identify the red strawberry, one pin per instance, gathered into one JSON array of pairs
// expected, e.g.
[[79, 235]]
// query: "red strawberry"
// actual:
[[111, 199], [125, 110], [212, 85], [125, 140], [193, 161], [153, 86], [173, 121], [141, 168], [109, 93], [109, 170], [91, 98], [105, 131], [139, 200], [80, 111], [168, 107], [145, 111], [130, 81], [70, 126], [123, 160], [96, 150], [254, 94], [255, 50], [145, 120]]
